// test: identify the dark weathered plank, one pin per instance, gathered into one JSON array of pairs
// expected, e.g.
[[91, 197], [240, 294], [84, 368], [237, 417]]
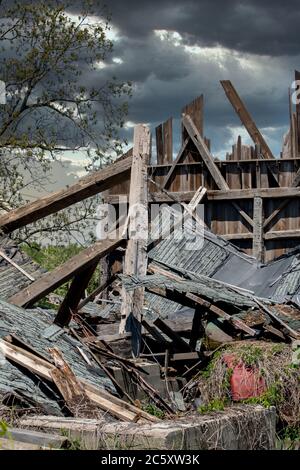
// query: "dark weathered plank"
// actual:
[[74, 295], [195, 111], [168, 140], [159, 144]]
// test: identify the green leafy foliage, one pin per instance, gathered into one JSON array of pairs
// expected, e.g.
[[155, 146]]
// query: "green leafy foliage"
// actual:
[[154, 410], [47, 54], [3, 428]]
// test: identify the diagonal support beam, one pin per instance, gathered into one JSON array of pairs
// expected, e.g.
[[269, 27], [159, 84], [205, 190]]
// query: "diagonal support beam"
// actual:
[[74, 295], [204, 152], [246, 118], [86, 187], [210, 164], [175, 162], [51, 280]]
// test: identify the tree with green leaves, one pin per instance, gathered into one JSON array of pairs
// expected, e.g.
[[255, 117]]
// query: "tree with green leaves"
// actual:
[[51, 56]]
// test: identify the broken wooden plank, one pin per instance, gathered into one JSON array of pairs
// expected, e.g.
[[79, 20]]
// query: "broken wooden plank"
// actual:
[[136, 252], [258, 234], [86, 187], [280, 323], [70, 387], [105, 400], [246, 118], [51, 280]]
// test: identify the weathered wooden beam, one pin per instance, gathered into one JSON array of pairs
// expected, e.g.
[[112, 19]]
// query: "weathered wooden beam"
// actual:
[[204, 153], [70, 387], [74, 295], [297, 130], [86, 187], [210, 164], [51, 280], [258, 239], [136, 253], [272, 235], [277, 234], [237, 236], [159, 144], [212, 195], [246, 118]]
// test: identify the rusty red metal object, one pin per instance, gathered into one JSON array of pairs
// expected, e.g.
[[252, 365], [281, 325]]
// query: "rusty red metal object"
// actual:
[[245, 382]]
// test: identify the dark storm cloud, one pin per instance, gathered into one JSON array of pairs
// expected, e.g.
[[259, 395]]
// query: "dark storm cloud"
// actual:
[[253, 43], [258, 46], [264, 27]]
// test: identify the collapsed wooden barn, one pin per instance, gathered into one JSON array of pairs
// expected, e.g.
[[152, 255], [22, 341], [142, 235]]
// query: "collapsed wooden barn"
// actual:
[[159, 299]]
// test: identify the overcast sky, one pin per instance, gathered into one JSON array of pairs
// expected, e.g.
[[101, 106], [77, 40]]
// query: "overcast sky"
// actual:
[[173, 51]]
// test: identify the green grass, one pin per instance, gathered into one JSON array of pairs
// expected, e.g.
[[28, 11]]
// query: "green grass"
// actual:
[[218, 404]]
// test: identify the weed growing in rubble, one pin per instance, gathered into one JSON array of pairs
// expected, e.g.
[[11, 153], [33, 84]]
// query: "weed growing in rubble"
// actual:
[[74, 443], [271, 397], [154, 410], [3, 428], [214, 405], [251, 355]]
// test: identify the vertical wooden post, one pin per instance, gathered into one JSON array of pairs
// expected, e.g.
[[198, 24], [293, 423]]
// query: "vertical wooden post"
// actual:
[[297, 124], [258, 233], [136, 253]]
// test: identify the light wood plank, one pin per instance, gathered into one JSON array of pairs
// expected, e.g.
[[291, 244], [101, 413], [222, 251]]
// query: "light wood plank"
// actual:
[[136, 252], [258, 240]]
